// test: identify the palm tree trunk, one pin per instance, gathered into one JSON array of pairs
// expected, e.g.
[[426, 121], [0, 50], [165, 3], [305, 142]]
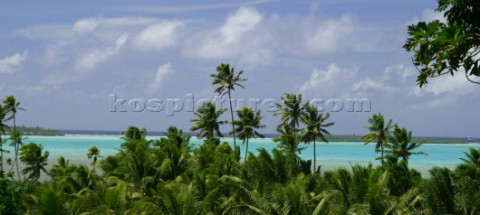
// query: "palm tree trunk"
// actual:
[[382, 153], [17, 148], [246, 152], [314, 155], [233, 125]]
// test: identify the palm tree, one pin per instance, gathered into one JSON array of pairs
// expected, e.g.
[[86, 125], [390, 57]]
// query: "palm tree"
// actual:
[[288, 140], [315, 128], [35, 161], [16, 139], [134, 133], [3, 126], [402, 145], [473, 157], [12, 106], [93, 152], [48, 200], [207, 121], [379, 132], [174, 136], [247, 126], [291, 112], [226, 81]]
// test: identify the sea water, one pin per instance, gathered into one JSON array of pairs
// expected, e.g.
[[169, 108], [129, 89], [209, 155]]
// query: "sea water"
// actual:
[[329, 155]]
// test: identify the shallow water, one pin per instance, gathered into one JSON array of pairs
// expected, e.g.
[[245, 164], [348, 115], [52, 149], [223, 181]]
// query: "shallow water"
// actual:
[[329, 156]]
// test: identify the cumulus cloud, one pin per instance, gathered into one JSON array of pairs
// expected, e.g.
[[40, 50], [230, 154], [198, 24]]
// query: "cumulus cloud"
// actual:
[[242, 21], [444, 91], [352, 82], [158, 37], [231, 39], [91, 59], [330, 35], [447, 85], [162, 71], [327, 82], [9, 64]]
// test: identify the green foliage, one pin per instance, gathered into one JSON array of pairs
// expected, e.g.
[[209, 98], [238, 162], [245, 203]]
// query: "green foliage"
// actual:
[[35, 161], [288, 141], [93, 152], [226, 80], [291, 110], [446, 48], [247, 125], [39, 131], [168, 176], [207, 121], [315, 127], [134, 133], [380, 132], [401, 145], [164, 177], [11, 197]]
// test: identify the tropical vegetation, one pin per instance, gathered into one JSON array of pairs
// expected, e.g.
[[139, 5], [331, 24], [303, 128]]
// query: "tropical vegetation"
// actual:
[[168, 175]]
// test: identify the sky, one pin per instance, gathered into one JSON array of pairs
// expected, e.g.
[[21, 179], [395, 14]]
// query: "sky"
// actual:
[[70, 64]]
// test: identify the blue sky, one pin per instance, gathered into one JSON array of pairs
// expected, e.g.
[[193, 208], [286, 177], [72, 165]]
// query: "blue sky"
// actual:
[[62, 60]]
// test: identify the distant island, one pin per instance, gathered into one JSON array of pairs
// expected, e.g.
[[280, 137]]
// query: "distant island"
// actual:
[[330, 138], [355, 138], [39, 131]]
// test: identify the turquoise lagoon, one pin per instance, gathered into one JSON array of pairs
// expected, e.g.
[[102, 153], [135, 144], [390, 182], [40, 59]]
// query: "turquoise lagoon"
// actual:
[[329, 156]]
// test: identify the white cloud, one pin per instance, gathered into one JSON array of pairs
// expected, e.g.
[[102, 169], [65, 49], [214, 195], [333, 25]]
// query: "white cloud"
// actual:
[[330, 35], [242, 21], [91, 59], [158, 37], [86, 25], [326, 82], [368, 84], [401, 72], [241, 37], [162, 71], [447, 85], [351, 82], [230, 40], [9, 64]]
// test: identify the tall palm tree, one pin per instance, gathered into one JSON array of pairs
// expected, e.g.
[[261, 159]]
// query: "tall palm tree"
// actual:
[[134, 133], [207, 121], [226, 80], [291, 112], [315, 128], [3, 127], [12, 106], [16, 139], [402, 145], [93, 152], [247, 126], [379, 132], [35, 161]]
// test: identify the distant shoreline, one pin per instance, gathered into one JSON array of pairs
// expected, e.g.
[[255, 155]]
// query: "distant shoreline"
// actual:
[[333, 138]]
